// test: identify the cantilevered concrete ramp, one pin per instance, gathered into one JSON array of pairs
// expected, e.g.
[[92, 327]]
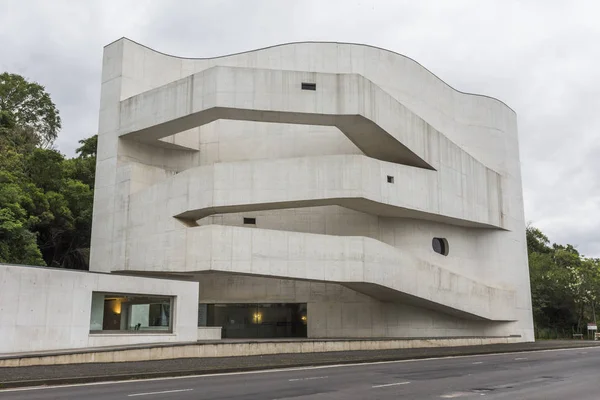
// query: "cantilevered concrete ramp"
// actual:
[[409, 170], [372, 119], [364, 264], [353, 181]]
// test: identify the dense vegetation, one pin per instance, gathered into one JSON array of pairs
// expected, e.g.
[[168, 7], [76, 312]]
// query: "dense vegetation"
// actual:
[[564, 287], [45, 198], [46, 212]]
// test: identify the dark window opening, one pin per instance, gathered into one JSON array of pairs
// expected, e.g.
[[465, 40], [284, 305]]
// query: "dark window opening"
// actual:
[[390, 179], [249, 221], [270, 320], [309, 86], [440, 246]]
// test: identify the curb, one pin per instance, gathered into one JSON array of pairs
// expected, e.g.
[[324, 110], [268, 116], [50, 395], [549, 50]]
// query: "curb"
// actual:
[[272, 366]]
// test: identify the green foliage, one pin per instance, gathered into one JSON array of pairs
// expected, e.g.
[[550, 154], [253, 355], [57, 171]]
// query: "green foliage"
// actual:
[[46, 202], [28, 106], [45, 199], [564, 287], [17, 243], [88, 147], [44, 168]]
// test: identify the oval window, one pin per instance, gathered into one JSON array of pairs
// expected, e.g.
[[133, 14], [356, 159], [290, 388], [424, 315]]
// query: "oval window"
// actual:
[[440, 246]]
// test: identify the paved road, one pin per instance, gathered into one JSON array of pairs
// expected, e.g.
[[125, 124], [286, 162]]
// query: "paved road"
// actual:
[[560, 374]]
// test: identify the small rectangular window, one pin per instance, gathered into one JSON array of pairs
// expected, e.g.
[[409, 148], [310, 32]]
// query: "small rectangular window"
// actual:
[[249, 221], [309, 86], [390, 179]]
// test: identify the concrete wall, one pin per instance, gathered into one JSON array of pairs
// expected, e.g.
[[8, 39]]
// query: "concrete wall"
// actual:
[[134, 228], [48, 309], [335, 311], [241, 348], [209, 333]]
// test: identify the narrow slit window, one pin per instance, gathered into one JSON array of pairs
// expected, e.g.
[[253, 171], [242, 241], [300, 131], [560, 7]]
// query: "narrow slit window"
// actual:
[[309, 86], [390, 179], [249, 221]]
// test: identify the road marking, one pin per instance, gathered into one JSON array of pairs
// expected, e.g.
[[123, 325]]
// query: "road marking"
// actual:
[[478, 362], [390, 384], [308, 379], [275, 370], [163, 392], [520, 358]]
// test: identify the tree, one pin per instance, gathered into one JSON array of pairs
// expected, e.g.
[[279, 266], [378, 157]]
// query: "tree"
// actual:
[[88, 148], [44, 168], [45, 198], [65, 240], [46, 202], [564, 286], [14, 137], [29, 107], [83, 167], [17, 242], [537, 242]]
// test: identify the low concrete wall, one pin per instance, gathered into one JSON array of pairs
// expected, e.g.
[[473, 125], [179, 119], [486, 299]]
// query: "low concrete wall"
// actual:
[[250, 348], [49, 309]]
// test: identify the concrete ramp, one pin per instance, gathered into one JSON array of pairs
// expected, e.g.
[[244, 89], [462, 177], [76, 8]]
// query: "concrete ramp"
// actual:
[[368, 265]]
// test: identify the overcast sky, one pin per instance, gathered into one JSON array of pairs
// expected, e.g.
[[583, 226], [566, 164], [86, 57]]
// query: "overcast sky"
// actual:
[[542, 57]]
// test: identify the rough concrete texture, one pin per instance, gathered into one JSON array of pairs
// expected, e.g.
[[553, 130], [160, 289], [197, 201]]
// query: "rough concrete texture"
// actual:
[[50, 309], [231, 348], [209, 333], [189, 147]]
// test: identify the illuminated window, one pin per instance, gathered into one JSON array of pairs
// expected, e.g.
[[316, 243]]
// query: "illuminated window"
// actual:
[[130, 312]]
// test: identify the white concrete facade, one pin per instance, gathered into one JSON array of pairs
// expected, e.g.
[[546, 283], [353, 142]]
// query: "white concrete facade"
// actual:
[[348, 184], [51, 309]]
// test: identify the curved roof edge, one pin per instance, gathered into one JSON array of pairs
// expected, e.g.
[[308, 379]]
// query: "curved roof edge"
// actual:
[[318, 42]]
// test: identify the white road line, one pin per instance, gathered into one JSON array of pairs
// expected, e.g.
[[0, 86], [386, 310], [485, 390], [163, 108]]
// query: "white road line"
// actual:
[[478, 362], [163, 392], [520, 358], [308, 379], [390, 384], [268, 371]]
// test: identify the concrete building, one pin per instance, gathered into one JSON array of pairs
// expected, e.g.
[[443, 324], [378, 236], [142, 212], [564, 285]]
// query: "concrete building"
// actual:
[[335, 190], [320, 190]]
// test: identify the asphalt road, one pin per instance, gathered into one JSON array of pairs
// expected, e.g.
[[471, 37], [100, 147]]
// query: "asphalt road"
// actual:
[[556, 374]]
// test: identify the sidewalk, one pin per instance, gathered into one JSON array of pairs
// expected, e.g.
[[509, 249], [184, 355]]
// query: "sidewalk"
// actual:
[[82, 373]]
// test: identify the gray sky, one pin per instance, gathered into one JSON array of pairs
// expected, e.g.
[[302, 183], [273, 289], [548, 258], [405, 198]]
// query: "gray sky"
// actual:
[[542, 57]]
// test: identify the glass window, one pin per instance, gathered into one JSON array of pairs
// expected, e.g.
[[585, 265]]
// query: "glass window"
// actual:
[[270, 320], [130, 313]]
